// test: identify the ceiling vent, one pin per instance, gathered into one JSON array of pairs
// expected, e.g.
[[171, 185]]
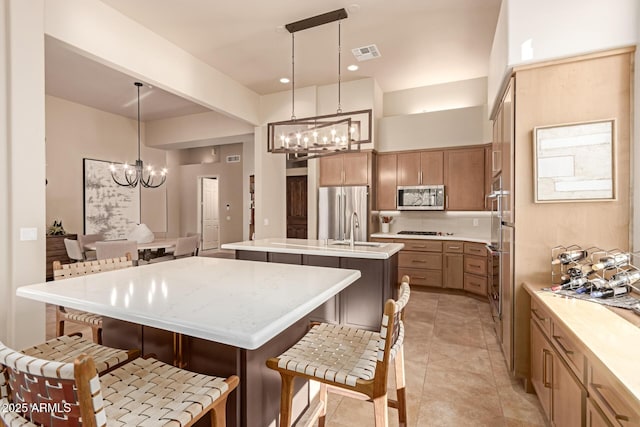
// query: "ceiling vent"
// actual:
[[366, 52], [233, 159]]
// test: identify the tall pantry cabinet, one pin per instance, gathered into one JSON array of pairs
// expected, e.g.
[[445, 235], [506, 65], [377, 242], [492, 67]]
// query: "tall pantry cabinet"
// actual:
[[580, 89]]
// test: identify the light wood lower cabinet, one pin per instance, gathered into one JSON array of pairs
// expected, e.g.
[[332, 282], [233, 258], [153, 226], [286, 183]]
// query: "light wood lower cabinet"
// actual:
[[453, 267], [561, 395], [607, 395], [475, 268], [595, 418], [422, 261]]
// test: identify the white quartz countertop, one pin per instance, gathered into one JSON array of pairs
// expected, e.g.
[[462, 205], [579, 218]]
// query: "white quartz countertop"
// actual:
[[234, 302], [605, 335], [317, 247], [457, 237]]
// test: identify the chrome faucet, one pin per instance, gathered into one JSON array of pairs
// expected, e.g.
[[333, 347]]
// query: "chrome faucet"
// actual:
[[354, 224]]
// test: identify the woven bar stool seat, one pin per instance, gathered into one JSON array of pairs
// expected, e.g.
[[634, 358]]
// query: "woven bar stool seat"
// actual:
[[335, 353], [349, 361], [65, 271], [144, 392], [66, 348]]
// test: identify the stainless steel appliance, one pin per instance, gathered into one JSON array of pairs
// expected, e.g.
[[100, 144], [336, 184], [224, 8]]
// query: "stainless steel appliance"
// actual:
[[501, 261], [421, 198], [336, 206]]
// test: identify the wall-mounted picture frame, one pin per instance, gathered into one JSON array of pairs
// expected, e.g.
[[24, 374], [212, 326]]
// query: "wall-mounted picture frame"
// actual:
[[574, 162], [109, 208]]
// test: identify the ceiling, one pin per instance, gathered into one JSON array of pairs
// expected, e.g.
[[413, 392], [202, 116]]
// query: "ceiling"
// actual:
[[422, 43]]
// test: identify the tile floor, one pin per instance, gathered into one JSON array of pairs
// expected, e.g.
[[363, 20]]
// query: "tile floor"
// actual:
[[455, 371]]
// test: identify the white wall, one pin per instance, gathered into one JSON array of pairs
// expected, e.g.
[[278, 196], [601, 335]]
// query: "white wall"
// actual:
[[22, 162], [109, 37], [447, 96], [170, 133], [558, 29], [448, 128], [75, 131]]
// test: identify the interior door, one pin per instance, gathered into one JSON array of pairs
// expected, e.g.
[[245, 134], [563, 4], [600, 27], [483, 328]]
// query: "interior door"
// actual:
[[297, 207], [210, 214]]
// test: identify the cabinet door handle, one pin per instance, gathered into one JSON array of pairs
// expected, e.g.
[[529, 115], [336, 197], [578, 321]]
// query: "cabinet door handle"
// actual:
[[596, 389], [447, 202], [546, 353], [562, 347], [540, 318], [419, 277], [418, 246], [453, 247]]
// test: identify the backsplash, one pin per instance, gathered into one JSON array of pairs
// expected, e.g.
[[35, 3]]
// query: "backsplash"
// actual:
[[458, 223]]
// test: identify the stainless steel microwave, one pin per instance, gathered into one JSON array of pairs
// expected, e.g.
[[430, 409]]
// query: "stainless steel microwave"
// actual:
[[421, 198]]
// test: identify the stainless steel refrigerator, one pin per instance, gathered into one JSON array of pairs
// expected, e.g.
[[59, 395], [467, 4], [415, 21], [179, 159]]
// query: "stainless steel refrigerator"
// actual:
[[336, 206]]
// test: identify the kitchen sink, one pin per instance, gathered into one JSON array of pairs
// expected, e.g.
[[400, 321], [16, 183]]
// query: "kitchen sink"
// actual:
[[365, 244]]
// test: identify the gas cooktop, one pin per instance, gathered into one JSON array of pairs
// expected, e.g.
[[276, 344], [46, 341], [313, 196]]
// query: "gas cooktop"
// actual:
[[425, 233]]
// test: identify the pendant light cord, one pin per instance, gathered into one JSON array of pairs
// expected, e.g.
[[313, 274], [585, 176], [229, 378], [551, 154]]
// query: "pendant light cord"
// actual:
[[293, 76], [339, 57], [138, 84]]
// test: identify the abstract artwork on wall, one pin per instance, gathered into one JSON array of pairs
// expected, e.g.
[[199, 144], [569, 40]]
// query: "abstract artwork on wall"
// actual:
[[108, 208], [574, 162]]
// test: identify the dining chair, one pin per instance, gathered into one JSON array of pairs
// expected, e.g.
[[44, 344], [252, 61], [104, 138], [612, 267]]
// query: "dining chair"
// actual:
[[141, 392], [116, 248], [186, 246], [349, 361], [85, 239], [74, 252], [65, 271], [199, 241]]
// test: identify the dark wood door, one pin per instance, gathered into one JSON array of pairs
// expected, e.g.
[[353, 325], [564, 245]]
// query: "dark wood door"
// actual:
[[297, 207]]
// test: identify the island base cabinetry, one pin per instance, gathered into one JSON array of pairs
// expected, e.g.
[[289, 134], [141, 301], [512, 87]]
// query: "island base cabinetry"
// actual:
[[360, 305], [247, 406]]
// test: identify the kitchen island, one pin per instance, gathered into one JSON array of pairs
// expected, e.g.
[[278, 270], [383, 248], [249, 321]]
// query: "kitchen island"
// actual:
[[361, 304], [213, 316]]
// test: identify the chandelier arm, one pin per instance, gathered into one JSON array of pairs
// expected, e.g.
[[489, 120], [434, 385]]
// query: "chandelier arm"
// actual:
[[149, 182], [113, 176]]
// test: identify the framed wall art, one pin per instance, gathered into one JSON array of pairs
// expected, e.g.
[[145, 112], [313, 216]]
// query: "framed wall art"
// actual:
[[109, 208], [574, 162]]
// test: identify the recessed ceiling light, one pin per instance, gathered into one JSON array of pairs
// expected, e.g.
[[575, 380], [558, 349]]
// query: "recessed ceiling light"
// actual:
[[284, 80], [352, 67]]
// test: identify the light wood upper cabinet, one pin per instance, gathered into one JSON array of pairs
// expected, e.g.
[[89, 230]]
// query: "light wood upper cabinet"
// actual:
[[464, 179], [420, 168], [386, 181], [345, 169]]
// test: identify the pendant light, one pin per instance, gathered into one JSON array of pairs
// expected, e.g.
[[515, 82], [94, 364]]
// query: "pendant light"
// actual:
[[132, 175], [318, 136]]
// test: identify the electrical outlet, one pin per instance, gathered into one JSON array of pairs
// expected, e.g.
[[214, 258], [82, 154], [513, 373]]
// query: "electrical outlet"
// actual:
[[475, 222]]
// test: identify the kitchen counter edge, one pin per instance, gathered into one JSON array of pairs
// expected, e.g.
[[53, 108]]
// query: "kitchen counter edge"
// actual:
[[422, 237], [315, 247]]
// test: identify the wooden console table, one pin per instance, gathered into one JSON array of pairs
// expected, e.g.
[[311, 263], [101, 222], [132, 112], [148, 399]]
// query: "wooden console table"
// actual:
[[56, 251]]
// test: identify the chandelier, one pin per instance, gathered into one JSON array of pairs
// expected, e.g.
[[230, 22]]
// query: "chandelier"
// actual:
[[312, 137], [132, 175]]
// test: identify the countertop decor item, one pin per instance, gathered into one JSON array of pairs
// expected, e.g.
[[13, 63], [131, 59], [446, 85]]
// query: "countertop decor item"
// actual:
[[138, 174], [313, 137]]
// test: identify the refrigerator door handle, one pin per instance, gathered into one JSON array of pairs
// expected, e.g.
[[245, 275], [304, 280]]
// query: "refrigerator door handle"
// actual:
[[344, 216]]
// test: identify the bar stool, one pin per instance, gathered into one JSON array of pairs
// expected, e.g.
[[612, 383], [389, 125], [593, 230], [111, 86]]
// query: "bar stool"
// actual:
[[349, 361], [142, 392], [65, 271]]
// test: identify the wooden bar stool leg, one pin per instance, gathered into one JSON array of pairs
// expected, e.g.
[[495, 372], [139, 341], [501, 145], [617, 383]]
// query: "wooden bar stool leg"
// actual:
[[323, 400], [380, 410], [401, 390], [97, 334], [286, 399], [218, 414]]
